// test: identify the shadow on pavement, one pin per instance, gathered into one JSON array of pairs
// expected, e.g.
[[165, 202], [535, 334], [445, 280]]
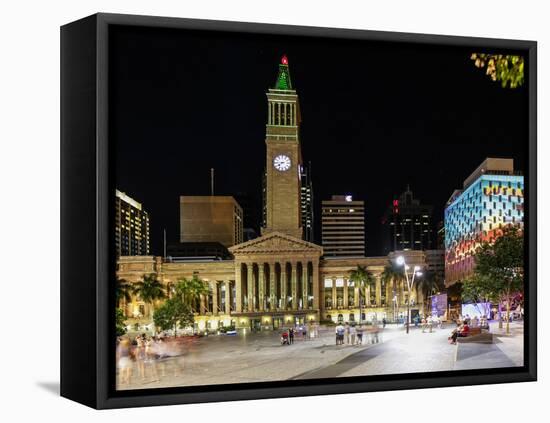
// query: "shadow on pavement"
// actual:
[[51, 387]]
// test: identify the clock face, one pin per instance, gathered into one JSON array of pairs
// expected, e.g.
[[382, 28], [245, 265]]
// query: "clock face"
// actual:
[[281, 162]]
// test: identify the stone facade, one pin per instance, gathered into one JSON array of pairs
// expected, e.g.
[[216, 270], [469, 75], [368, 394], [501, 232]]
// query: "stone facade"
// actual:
[[277, 280]]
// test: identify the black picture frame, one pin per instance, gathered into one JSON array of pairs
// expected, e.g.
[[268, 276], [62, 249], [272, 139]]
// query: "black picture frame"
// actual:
[[86, 222]]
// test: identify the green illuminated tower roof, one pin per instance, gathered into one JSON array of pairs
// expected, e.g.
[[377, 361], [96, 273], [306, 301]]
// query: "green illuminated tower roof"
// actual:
[[283, 79]]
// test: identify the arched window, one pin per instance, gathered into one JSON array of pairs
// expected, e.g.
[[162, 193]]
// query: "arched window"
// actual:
[[340, 318]]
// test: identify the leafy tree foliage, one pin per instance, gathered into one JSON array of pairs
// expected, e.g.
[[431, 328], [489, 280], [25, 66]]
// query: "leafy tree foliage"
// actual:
[[507, 69], [122, 291], [149, 289], [173, 313], [362, 278], [499, 269], [120, 324], [190, 291], [480, 289]]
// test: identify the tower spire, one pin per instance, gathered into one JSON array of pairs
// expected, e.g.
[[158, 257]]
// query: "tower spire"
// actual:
[[283, 78]]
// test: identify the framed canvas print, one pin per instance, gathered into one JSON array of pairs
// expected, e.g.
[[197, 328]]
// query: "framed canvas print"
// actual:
[[254, 211]]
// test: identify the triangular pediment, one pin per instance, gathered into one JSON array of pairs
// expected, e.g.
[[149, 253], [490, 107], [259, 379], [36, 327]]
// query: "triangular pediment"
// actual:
[[274, 243]]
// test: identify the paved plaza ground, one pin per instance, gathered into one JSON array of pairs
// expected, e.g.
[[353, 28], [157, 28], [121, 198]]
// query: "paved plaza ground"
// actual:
[[261, 357]]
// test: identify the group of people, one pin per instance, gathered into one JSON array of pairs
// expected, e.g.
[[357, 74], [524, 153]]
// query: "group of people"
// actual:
[[429, 322], [305, 332], [353, 334], [145, 354], [462, 330], [475, 321]]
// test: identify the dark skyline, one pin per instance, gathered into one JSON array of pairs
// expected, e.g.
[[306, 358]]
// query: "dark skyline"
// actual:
[[376, 117]]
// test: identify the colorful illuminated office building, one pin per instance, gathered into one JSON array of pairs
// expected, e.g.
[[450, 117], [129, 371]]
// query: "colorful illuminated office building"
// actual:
[[491, 198]]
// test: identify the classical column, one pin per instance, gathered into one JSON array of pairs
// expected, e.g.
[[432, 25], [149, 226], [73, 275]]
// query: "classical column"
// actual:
[[283, 286], [378, 291], [291, 110], [238, 288], [272, 289], [356, 296], [316, 291], [202, 305], [261, 287], [294, 285], [227, 297], [345, 292], [334, 297], [250, 285], [214, 287], [304, 286]]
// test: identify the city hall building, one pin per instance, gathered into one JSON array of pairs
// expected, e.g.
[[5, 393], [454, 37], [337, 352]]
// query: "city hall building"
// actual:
[[278, 278]]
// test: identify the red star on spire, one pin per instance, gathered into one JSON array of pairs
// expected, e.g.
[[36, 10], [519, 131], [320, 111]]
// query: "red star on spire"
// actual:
[[284, 60]]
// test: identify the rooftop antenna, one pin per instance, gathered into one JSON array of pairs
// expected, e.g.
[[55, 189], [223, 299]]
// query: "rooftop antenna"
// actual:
[[164, 239], [212, 181]]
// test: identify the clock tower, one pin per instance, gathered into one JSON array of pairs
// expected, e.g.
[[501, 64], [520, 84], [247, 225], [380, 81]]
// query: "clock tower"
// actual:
[[283, 158]]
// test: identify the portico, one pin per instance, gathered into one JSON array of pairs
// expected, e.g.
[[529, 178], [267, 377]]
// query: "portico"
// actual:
[[278, 278]]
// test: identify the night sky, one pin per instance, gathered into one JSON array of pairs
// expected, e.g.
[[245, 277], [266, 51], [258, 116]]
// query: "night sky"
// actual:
[[376, 116]]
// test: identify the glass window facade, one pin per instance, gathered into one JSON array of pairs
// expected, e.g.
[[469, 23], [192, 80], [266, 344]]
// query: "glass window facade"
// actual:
[[477, 214]]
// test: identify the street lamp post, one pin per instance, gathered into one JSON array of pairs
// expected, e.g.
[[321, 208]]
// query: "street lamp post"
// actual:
[[410, 283]]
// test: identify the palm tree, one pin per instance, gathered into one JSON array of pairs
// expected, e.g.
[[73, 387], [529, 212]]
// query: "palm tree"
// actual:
[[149, 289], [362, 277], [122, 291], [191, 290], [393, 276]]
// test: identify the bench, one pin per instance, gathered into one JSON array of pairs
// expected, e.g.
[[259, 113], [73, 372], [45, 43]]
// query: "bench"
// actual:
[[476, 335], [474, 331]]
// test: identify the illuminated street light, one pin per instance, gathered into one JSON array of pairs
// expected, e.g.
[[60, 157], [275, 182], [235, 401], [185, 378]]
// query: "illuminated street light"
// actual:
[[400, 260]]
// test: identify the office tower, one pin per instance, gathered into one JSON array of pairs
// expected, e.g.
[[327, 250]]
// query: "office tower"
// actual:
[[408, 224], [490, 199], [343, 227], [131, 227], [212, 218]]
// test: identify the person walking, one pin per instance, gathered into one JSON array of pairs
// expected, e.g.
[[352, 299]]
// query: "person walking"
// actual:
[[339, 334], [352, 333], [124, 361], [291, 336], [359, 335], [384, 321], [374, 332], [429, 322]]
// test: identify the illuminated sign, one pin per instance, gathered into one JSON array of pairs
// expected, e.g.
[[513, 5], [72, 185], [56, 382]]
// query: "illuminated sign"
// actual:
[[439, 305]]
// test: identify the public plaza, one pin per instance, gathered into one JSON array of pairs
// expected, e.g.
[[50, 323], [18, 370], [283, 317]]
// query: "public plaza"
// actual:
[[257, 357], [281, 280]]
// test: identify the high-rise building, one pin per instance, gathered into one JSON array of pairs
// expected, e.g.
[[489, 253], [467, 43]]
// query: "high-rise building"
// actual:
[[435, 263], [343, 227], [251, 218], [131, 227], [440, 236], [212, 218], [306, 198], [490, 199], [408, 224]]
